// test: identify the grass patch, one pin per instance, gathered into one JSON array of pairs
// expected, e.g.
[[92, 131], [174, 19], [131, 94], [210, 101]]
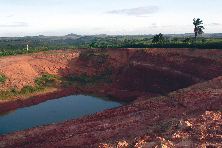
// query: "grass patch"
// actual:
[[90, 54], [26, 93], [3, 78], [44, 83], [39, 92], [45, 79], [87, 80], [143, 50], [100, 58]]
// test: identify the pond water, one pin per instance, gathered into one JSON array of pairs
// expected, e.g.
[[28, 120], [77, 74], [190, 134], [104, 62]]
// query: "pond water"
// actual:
[[54, 111]]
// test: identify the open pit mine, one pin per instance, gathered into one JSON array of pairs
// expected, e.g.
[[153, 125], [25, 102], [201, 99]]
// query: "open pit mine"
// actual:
[[173, 97]]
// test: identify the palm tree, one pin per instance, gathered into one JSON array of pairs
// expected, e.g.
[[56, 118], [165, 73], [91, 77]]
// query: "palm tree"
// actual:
[[197, 28]]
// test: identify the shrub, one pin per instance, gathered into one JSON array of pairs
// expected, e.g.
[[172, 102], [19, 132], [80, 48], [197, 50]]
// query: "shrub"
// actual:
[[3, 78], [46, 78], [91, 79], [28, 89], [15, 91], [42, 87]]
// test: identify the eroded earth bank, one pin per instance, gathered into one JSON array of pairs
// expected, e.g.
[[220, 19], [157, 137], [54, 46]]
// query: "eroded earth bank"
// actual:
[[174, 94]]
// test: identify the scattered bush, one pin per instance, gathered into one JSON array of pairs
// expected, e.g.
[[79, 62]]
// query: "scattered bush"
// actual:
[[15, 91], [87, 79], [90, 54], [45, 79], [3, 78], [42, 83], [143, 50], [28, 89]]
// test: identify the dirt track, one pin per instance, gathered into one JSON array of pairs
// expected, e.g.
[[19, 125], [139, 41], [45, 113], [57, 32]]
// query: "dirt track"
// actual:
[[158, 71]]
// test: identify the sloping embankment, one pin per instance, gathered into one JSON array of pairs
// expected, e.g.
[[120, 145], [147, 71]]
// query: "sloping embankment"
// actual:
[[126, 124]]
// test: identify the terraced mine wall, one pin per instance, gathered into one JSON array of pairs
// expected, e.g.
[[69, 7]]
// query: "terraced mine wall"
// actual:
[[162, 73], [157, 71], [133, 72]]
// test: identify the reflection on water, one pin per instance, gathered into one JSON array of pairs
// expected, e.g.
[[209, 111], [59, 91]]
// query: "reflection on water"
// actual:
[[7, 113], [54, 111]]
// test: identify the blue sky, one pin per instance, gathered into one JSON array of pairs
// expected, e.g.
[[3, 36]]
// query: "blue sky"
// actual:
[[112, 17]]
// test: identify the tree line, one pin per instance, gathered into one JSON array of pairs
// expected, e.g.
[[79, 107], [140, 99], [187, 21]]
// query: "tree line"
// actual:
[[18, 46]]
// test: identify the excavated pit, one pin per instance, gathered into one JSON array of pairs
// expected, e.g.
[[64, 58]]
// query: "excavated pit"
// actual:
[[134, 72], [137, 76]]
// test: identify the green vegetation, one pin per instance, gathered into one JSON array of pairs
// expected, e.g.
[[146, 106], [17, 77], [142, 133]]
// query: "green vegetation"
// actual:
[[87, 80], [3, 78], [17, 45], [49, 80], [90, 54], [28, 89], [104, 77], [197, 27], [164, 127], [143, 50], [46, 80], [158, 38]]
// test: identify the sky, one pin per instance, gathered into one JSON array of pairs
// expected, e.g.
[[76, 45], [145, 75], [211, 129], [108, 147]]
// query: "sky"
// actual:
[[112, 17]]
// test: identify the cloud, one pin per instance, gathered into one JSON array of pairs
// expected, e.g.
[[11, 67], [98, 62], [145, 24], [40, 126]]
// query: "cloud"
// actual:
[[10, 16], [99, 28], [16, 24], [214, 24], [157, 25], [136, 11]]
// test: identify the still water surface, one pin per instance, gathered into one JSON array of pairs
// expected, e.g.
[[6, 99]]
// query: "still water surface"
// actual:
[[54, 111]]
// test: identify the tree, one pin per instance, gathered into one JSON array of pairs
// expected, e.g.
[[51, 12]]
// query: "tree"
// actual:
[[105, 45], [175, 39], [204, 40], [197, 27], [158, 38], [155, 39], [186, 40], [94, 45], [161, 38]]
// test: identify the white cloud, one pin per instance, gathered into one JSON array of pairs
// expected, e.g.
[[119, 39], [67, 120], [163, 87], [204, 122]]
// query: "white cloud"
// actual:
[[215, 24], [16, 24], [136, 11], [98, 28], [157, 25]]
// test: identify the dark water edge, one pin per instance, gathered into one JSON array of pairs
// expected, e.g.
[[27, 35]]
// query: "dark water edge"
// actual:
[[54, 111]]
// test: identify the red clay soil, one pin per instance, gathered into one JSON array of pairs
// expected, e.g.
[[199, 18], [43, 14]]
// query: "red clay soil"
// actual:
[[125, 125], [23, 70], [129, 96], [169, 70], [140, 76]]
